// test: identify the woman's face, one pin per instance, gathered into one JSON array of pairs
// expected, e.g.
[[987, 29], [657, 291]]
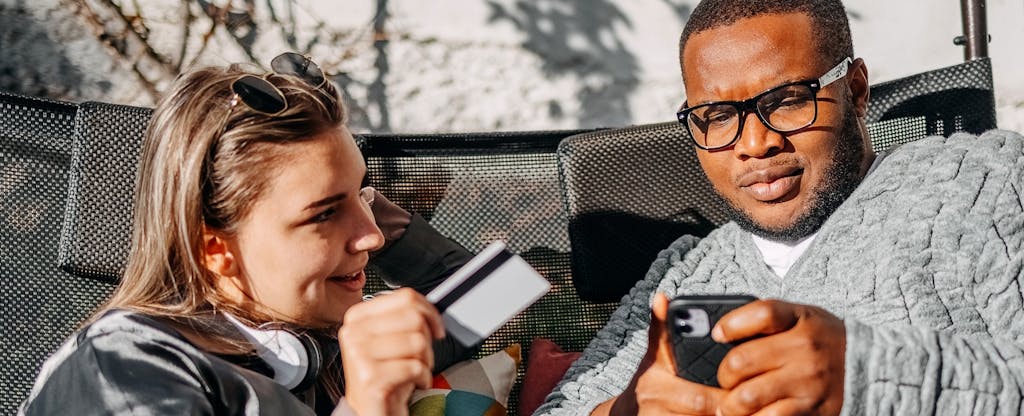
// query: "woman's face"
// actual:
[[301, 251]]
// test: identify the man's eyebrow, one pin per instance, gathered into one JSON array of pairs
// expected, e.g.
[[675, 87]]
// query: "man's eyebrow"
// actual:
[[326, 201], [788, 81]]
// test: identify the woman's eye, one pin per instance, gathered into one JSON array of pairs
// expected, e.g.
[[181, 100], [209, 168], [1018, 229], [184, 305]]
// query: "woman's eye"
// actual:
[[324, 216]]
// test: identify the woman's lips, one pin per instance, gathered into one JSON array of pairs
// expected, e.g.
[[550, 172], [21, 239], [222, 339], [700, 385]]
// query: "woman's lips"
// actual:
[[771, 184], [354, 282]]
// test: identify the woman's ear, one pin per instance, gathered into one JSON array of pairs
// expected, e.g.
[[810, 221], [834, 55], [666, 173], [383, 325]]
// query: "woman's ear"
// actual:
[[220, 259], [217, 254]]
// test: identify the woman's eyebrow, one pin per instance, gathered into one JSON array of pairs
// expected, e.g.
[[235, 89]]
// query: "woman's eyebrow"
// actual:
[[326, 201]]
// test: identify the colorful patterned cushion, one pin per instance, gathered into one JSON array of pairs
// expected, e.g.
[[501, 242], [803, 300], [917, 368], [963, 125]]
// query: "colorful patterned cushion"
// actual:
[[471, 388]]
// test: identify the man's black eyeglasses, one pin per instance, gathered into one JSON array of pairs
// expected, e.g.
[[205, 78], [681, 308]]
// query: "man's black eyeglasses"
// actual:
[[784, 109]]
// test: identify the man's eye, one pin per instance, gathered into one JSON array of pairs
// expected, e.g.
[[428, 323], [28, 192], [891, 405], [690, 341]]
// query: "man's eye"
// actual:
[[788, 103], [719, 118]]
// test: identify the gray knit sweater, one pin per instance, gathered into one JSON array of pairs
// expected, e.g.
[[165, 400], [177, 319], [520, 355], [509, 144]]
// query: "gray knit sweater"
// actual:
[[923, 263]]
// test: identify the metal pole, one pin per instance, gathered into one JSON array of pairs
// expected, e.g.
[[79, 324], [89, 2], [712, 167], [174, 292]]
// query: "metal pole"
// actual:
[[975, 38]]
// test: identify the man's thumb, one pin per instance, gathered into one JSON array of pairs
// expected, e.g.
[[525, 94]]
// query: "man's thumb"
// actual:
[[657, 337]]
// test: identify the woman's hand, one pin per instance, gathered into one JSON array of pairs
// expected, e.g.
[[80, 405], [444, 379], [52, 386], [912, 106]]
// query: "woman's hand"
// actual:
[[386, 352]]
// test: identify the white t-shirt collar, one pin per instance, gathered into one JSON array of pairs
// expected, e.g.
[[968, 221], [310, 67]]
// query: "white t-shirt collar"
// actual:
[[781, 255]]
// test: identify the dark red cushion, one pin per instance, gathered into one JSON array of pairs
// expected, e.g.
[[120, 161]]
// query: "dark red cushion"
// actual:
[[544, 369]]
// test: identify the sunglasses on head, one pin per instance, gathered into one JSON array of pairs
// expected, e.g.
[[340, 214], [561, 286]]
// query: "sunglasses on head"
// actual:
[[262, 96]]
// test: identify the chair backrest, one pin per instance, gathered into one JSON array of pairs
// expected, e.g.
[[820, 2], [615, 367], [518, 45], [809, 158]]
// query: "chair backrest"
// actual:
[[472, 187], [476, 188], [101, 187], [630, 192], [42, 304]]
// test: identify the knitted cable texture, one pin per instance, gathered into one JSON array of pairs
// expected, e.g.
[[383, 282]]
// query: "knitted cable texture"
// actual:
[[923, 262]]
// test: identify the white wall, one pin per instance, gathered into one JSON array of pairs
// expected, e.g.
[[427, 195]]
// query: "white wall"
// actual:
[[461, 65], [899, 38]]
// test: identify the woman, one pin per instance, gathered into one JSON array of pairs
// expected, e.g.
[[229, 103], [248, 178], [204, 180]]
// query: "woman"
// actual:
[[251, 233]]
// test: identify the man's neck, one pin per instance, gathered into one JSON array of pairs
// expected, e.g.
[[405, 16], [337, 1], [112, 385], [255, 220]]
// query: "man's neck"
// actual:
[[781, 255]]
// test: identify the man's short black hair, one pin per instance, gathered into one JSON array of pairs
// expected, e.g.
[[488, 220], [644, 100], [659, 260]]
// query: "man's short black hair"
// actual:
[[830, 27]]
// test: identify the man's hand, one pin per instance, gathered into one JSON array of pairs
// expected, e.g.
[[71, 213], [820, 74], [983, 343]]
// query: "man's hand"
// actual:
[[794, 365], [386, 351], [655, 388]]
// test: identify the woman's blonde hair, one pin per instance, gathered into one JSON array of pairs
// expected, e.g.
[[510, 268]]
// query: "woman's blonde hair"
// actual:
[[205, 161]]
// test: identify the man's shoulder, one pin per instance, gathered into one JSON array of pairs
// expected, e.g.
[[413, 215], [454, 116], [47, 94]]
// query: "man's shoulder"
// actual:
[[935, 157], [989, 141], [723, 234], [919, 180]]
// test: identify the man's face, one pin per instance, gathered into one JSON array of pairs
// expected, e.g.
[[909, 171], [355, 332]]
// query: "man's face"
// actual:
[[781, 186]]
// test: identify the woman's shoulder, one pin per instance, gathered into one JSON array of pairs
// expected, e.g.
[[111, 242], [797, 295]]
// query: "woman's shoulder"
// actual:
[[130, 362], [114, 336], [120, 359], [120, 328], [124, 322]]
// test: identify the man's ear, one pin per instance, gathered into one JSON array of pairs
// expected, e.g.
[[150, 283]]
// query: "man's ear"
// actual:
[[218, 256], [859, 88]]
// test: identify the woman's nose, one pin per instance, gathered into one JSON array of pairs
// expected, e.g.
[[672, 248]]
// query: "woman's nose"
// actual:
[[368, 236]]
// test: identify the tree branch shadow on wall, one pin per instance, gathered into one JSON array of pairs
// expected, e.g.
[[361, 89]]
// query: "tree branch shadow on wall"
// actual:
[[579, 38], [373, 114], [683, 8], [240, 23], [33, 64], [377, 91]]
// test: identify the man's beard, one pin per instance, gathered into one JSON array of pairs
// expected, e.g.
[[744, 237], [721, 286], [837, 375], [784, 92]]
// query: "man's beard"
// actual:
[[839, 181]]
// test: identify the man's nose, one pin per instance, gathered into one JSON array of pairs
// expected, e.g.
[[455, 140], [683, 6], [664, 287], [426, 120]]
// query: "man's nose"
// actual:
[[756, 139]]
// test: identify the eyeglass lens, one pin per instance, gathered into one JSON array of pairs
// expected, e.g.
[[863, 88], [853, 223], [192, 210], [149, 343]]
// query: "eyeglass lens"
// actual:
[[785, 109], [259, 94], [292, 63]]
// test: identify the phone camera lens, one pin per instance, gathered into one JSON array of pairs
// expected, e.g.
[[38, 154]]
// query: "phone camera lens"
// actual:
[[685, 328], [684, 314]]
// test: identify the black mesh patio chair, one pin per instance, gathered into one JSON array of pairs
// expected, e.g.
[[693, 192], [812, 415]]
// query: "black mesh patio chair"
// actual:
[[630, 192], [474, 188], [42, 304], [68, 174]]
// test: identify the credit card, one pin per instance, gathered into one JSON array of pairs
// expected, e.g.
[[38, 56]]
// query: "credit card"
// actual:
[[487, 292]]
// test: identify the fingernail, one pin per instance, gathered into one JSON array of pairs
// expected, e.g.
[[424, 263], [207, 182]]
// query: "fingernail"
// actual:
[[718, 411], [717, 334]]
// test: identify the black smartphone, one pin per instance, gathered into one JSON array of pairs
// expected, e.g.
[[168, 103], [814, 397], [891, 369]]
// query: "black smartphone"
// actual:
[[689, 324]]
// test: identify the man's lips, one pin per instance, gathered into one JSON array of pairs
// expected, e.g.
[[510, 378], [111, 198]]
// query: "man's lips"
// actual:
[[772, 183]]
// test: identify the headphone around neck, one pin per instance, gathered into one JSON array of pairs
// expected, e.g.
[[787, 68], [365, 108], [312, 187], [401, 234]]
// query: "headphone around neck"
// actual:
[[295, 357]]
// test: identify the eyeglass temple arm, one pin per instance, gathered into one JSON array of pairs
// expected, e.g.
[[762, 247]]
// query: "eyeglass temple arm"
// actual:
[[835, 73]]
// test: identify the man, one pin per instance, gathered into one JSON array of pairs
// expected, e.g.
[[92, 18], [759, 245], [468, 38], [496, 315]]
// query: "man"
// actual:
[[913, 260]]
